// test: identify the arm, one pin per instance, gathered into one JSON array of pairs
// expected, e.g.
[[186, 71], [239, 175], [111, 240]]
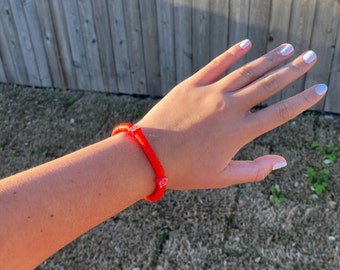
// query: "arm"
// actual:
[[45, 208], [196, 130]]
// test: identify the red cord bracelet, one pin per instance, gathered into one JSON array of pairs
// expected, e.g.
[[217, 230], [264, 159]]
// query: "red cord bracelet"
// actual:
[[161, 180]]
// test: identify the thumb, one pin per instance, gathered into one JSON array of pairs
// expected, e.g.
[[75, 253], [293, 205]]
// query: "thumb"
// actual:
[[239, 172]]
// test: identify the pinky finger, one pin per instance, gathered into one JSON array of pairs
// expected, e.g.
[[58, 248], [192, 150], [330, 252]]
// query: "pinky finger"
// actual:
[[275, 115]]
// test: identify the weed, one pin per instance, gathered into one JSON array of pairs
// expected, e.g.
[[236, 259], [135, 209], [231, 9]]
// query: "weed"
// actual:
[[331, 152], [70, 102], [49, 89], [137, 113], [233, 252], [163, 237], [38, 151], [277, 194], [318, 177]]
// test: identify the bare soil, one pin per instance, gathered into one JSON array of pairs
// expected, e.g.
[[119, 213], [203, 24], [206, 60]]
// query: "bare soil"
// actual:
[[235, 228]]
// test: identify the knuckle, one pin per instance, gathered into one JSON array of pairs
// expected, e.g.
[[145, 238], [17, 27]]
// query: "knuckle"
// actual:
[[232, 52], [260, 175], [296, 68], [247, 73], [284, 113], [220, 61], [271, 59], [216, 62], [270, 84], [307, 99]]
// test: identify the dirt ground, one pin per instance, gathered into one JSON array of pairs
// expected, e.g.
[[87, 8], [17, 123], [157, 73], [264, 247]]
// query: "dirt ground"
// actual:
[[236, 228]]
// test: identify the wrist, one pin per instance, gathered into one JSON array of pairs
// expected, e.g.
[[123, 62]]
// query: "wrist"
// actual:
[[135, 169], [161, 180]]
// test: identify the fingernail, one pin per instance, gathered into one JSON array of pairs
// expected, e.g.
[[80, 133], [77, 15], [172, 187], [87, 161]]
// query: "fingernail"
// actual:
[[245, 43], [279, 165], [287, 49], [321, 89], [309, 57]]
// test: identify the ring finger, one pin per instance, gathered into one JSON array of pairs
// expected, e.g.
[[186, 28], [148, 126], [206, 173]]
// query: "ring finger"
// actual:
[[269, 85]]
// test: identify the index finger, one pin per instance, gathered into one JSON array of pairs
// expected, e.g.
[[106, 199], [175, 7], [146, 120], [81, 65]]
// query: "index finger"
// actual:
[[212, 71]]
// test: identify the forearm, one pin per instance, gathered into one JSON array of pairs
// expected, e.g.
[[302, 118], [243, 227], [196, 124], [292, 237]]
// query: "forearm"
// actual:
[[45, 208]]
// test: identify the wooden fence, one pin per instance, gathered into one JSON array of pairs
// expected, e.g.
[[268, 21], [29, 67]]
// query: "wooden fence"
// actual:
[[147, 46]]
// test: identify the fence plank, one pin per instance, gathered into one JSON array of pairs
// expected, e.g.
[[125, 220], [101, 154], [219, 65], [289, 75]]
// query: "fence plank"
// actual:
[[5, 57], [135, 46], [238, 25], [325, 30], [90, 44], [258, 28], [38, 46], [301, 24], [200, 34], [26, 46], [219, 26], [183, 39], [2, 72], [64, 46], [10, 50], [299, 34], [278, 25], [3, 77], [332, 102], [104, 41], [166, 44], [119, 43], [150, 45], [76, 40], [49, 42]]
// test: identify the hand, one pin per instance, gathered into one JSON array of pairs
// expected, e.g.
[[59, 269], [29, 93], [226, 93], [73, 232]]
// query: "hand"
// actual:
[[197, 129]]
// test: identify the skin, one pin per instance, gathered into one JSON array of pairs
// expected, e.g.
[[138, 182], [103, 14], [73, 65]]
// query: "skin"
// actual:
[[196, 130]]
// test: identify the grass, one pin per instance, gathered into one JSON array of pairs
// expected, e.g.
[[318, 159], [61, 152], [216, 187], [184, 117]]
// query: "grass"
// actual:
[[331, 151], [277, 194], [40, 152], [70, 102], [137, 113], [318, 176], [163, 237]]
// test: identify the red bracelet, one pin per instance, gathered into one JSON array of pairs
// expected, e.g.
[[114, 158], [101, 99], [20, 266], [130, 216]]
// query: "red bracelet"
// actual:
[[161, 180]]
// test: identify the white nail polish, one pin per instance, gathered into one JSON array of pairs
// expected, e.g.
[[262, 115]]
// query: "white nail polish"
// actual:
[[279, 165], [309, 57], [321, 89], [287, 49], [245, 43]]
